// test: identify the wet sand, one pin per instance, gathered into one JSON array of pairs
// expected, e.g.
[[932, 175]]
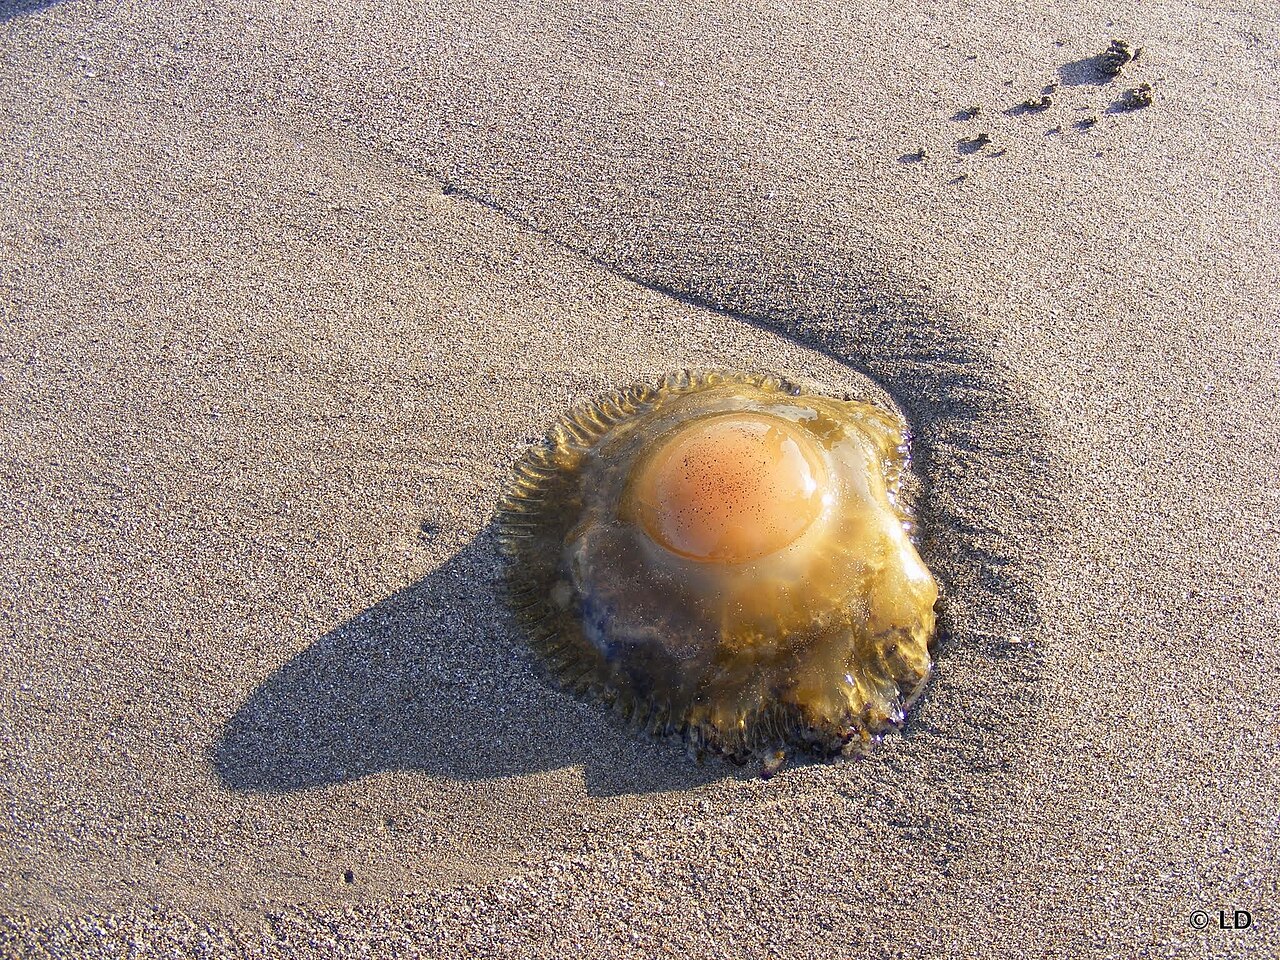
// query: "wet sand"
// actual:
[[283, 296]]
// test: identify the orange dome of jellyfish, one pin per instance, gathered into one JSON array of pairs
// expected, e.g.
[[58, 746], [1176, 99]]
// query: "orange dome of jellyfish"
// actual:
[[725, 557]]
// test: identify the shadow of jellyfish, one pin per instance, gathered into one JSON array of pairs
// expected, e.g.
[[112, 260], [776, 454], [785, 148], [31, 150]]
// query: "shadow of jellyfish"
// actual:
[[429, 679]]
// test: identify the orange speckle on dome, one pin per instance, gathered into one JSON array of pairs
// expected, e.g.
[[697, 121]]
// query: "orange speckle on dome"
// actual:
[[730, 488]]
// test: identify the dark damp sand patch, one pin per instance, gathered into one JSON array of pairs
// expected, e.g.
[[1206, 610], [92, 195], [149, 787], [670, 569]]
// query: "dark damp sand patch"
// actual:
[[15, 9]]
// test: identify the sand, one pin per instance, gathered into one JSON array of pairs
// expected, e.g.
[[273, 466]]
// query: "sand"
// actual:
[[285, 292]]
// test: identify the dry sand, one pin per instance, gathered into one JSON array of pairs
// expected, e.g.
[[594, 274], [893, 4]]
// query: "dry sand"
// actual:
[[283, 293]]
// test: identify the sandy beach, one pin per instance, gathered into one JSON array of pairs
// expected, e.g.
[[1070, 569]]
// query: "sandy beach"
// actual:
[[286, 291]]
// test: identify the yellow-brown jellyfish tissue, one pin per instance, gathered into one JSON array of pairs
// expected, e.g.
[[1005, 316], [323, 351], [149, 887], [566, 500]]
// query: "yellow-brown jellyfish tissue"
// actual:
[[726, 557]]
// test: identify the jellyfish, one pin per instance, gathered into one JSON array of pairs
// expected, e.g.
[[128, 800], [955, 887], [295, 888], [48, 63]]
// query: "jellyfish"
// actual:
[[727, 558]]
